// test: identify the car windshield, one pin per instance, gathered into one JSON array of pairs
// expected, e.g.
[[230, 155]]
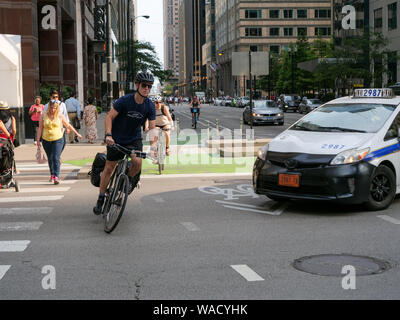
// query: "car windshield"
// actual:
[[264, 104], [315, 101], [358, 117], [288, 98]]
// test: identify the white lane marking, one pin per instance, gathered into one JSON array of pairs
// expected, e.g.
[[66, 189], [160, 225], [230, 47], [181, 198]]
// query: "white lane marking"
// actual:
[[14, 246], [20, 226], [246, 272], [21, 211], [158, 199], [39, 183], [3, 270], [389, 219], [40, 190], [240, 204], [190, 226], [277, 212], [31, 199]]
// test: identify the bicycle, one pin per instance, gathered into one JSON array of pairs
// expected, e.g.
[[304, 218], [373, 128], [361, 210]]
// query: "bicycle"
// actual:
[[195, 117], [118, 189], [161, 150]]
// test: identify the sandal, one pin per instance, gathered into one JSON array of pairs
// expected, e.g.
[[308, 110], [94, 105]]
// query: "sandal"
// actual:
[[167, 151]]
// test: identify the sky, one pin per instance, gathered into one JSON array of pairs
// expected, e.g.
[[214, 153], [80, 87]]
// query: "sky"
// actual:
[[151, 29]]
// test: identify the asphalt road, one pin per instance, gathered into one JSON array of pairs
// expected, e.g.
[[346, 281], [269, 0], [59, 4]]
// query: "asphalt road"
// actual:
[[185, 238], [229, 117]]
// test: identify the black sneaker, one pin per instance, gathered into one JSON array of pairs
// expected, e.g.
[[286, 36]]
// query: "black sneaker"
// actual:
[[99, 206]]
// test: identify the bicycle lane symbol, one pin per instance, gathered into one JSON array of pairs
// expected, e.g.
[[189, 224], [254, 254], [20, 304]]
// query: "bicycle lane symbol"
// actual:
[[242, 190]]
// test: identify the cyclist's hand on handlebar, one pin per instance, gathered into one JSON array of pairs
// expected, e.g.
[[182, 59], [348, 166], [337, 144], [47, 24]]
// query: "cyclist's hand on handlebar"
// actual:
[[109, 141]]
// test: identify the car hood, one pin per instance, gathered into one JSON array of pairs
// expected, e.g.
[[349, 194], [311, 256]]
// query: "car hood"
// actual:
[[318, 142]]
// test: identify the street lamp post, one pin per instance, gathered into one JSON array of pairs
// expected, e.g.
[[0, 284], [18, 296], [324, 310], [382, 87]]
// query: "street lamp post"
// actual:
[[293, 56], [132, 49]]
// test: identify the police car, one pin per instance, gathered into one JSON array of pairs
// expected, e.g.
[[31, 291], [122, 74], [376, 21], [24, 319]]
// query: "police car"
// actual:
[[346, 150]]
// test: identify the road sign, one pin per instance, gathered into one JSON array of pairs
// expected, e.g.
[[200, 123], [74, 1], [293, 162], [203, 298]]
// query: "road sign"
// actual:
[[259, 63]]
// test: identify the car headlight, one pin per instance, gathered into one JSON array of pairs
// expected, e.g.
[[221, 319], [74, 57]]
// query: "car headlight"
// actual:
[[286, 106], [262, 152], [350, 156], [278, 115]]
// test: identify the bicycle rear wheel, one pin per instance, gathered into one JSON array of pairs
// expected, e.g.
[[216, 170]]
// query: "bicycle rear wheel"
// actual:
[[115, 205]]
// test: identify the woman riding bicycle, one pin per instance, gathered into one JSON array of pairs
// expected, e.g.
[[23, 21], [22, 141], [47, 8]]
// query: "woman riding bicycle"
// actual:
[[195, 105], [164, 121]]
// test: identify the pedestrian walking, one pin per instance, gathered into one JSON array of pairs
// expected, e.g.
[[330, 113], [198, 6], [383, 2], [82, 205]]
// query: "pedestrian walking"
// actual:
[[51, 132], [74, 115], [89, 118], [35, 112]]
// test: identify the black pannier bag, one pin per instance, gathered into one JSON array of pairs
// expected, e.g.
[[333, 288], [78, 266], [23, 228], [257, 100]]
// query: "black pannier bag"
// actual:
[[6, 155], [98, 165]]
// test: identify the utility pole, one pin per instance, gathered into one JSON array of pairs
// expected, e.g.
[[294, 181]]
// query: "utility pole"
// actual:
[[109, 56], [250, 93]]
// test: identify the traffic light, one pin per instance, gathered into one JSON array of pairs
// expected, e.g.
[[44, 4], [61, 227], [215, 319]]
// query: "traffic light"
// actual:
[[100, 23]]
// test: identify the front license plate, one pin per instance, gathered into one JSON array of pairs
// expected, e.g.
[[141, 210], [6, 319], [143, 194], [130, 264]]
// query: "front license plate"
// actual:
[[268, 118], [289, 180]]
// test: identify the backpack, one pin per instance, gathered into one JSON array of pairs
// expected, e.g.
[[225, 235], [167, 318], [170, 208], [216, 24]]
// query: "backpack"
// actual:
[[98, 165], [6, 155]]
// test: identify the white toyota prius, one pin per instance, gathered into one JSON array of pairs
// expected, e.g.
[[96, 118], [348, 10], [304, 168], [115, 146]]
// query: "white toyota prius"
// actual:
[[346, 150]]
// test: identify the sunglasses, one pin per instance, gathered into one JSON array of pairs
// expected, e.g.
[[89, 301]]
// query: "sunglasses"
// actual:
[[144, 85], [53, 101]]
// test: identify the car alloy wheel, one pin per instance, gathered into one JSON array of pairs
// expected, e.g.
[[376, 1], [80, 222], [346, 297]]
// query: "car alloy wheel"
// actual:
[[382, 189]]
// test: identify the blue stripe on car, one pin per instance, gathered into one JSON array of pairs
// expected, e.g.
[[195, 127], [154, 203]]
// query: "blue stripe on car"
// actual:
[[383, 152]]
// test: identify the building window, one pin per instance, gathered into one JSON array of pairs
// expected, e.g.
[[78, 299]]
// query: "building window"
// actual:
[[274, 32], [253, 48], [253, 32], [392, 16], [378, 20], [288, 32], [302, 31], [322, 13], [301, 13], [322, 31], [288, 14], [274, 49], [392, 68], [274, 14], [252, 14]]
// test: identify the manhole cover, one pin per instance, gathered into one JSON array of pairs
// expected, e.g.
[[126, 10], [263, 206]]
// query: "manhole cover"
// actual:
[[332, 264]]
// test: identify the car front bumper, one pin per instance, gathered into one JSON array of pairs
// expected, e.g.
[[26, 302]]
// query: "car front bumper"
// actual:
[[347, 183], [268, 119]]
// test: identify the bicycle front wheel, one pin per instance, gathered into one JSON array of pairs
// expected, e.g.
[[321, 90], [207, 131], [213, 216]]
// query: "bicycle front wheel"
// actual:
[[117, 203]]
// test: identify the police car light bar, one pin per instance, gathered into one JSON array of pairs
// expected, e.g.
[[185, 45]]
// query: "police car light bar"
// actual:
[[373, 93]]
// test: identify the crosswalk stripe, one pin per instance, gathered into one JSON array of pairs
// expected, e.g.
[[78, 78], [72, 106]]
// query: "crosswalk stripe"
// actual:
[[389, 219], [28, 183], [3, 270], [40, 190], [31, 199], [14, 246], [20, 226], [22, 211]]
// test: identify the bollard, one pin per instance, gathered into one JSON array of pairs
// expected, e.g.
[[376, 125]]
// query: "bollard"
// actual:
[[177, 126], [208, 130], [217, 126], [241, 127]]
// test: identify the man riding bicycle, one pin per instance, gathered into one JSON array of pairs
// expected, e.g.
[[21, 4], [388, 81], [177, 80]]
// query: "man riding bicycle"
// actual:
[[123, 125], [195, 105]]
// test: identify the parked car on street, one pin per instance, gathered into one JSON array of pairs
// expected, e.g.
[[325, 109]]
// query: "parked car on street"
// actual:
[[264, 111], [307, 105], [218, 101], [243, 102], [289, 102]]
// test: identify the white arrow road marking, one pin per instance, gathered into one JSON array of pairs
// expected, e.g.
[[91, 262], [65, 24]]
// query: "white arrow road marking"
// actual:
[[246, 272], [40, 190], [14, 246], [276, 212], [190, 226], [20, 226], [240, 204], [389, 219], [31, 199], [3, 270], [21, 211]]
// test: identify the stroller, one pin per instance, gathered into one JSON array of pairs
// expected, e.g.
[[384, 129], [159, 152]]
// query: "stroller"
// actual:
[[7, 165]]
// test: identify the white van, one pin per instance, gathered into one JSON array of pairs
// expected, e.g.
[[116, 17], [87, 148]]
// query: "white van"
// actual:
[[346, 150]]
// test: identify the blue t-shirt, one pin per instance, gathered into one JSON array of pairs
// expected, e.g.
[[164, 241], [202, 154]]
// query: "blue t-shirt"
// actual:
[[127, 125]]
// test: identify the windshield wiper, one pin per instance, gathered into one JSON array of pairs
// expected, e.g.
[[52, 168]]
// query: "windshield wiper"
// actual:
[[342, 129], [300, 127]]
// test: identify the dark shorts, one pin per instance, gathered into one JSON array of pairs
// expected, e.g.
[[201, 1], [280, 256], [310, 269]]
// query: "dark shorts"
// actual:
[[115, 155]]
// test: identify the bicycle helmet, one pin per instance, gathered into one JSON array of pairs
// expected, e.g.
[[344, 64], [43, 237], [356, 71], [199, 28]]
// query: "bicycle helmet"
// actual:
[[144, 77]]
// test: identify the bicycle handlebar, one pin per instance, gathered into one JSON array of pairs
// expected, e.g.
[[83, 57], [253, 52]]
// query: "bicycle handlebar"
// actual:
[[128, 152]]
